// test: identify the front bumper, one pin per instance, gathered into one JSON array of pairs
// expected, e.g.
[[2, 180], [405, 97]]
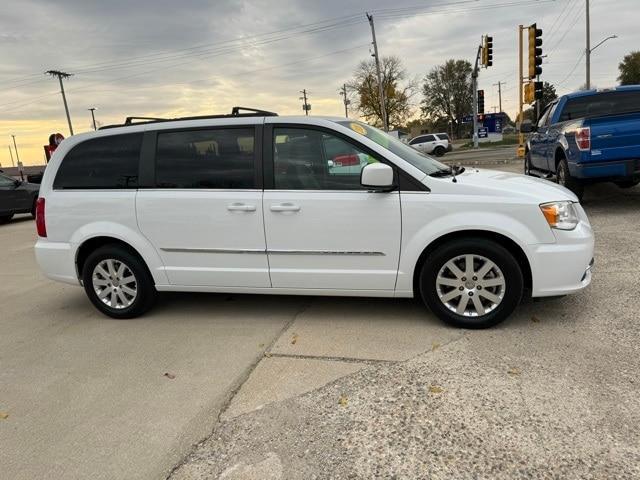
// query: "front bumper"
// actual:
[[565, 266]]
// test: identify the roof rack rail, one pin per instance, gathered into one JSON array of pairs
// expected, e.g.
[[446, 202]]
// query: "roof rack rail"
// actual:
[[235, 112]]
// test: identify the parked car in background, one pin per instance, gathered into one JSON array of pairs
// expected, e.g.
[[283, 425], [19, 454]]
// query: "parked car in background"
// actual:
[[587, 137], [16, 197], [432, 143], [257, 203]]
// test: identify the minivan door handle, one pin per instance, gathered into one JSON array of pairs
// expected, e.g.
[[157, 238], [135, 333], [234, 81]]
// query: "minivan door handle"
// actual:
[[241, 207], [285, 207]]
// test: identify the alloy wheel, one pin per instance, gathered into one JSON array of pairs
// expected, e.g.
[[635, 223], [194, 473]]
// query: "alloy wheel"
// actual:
[[114, 283], [470, 285]]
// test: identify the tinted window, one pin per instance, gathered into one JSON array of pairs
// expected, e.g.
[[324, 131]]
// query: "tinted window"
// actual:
[[217, 158], [542, 121], [6, 181], [429, 138], [417, 140], [443, 136], [105, 162], [314, 160], [610, 103]]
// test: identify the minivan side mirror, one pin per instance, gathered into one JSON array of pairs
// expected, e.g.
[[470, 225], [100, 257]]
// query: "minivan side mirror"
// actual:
[[527, 127], [378, 176]]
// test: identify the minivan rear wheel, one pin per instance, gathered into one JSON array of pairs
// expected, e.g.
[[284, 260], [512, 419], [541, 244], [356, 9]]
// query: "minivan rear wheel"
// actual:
[[471, 283], [118, 283]]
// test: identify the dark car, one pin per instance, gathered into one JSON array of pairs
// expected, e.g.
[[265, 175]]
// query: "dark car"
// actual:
[[16, 197]]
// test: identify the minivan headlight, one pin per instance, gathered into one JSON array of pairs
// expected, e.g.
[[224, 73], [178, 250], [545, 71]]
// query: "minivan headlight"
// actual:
[[560, 215]]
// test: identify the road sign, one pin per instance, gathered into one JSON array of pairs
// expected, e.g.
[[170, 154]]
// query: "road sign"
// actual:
[[467, 119], [483, 132]]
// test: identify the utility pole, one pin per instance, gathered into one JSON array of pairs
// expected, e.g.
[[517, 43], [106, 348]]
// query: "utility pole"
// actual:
[[61, 75], [305, 106], [346, 101], [11, 153], [383, 106], [17, 157], [587, 49], [93, 117], [499, 84]]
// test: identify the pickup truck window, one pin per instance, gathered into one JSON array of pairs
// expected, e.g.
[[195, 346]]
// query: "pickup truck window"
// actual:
[[601, 104], [542, 121]]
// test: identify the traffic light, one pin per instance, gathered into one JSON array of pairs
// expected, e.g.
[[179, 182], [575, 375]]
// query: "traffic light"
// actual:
[[529, 93], [537, 90], [487, 51], [535, 51], [480, 101]]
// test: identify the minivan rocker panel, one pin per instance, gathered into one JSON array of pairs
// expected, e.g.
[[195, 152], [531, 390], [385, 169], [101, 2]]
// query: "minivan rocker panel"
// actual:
[[267, 204]]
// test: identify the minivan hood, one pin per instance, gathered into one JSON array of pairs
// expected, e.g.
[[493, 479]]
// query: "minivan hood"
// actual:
[[474, 181]]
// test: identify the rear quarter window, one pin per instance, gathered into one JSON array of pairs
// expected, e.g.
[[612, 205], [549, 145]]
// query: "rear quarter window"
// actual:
[[101, 163], [601, 104]]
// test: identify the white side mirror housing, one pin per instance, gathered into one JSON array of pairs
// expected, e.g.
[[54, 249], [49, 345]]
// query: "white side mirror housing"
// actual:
[[378, 176]]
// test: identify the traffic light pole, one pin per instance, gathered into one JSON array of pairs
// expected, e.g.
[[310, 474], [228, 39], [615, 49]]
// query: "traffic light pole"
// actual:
[[474, 85], [520, 151]]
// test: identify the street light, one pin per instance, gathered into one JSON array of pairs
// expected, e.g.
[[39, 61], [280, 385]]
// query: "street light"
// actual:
[[93, 117], [608, 38]]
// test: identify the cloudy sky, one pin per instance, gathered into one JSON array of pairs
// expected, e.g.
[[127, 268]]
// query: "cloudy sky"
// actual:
[[189, 57]]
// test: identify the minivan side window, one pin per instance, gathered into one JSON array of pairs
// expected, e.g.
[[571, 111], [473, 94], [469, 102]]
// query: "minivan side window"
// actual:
[[306, 159], [101, 163], [220, 158]]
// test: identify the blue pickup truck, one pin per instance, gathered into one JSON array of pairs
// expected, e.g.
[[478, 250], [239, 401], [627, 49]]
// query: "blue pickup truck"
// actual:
[[587, 137]]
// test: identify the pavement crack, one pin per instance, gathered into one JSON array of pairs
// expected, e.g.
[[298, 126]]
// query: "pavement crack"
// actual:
[[369, 361], [238, 385]]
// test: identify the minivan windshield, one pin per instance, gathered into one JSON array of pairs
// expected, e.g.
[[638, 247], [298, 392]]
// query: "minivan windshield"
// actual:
[[424, 163]]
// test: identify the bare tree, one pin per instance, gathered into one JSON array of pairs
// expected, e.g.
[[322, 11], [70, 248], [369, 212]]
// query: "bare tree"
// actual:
[[398, 91]]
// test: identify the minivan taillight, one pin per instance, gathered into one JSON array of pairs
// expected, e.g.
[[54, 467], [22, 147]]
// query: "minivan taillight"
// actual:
[[41, 225], [583, 138]]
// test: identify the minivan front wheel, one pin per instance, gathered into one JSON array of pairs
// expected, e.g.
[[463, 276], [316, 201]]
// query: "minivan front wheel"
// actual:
[[471, 283], [117, 282]]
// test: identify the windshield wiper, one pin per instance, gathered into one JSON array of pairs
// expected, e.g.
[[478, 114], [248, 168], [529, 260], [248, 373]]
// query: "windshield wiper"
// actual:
[[442, 173]]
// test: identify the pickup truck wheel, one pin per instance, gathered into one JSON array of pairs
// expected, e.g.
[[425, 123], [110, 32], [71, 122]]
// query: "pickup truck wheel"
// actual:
[[471, 283], [5, 218], [439, 151], [118, 282], [564, 178], [628, 183], [33, 207]]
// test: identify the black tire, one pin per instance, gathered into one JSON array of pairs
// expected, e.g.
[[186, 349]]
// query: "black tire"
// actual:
[[33, 207], [628, 183], [439, 151], [480, 247], [527, 163], [144, 285], [5, 218], [564, 178]]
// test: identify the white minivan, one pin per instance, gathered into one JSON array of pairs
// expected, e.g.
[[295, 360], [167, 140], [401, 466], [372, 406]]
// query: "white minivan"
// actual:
[[252, 202]]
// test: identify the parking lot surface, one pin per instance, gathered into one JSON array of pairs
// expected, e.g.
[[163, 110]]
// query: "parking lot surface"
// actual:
[[300, 387]]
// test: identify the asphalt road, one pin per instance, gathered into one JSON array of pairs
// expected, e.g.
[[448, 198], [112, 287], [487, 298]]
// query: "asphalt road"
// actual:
[[299, 387]]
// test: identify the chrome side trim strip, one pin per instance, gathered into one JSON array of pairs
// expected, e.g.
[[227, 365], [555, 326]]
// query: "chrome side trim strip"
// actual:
[[324, 252], [213, 250], [275, 252]]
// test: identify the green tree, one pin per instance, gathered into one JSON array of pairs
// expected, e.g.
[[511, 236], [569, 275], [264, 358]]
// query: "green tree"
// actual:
[[447, 93], [398, 91], [630, 69]]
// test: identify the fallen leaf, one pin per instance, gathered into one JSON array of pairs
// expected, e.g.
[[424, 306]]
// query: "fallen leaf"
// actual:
[[170, 376], [294, 339], [535, 319], [343, 400], [435, 346], [4, 416], [513, 371], [435, 389]]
